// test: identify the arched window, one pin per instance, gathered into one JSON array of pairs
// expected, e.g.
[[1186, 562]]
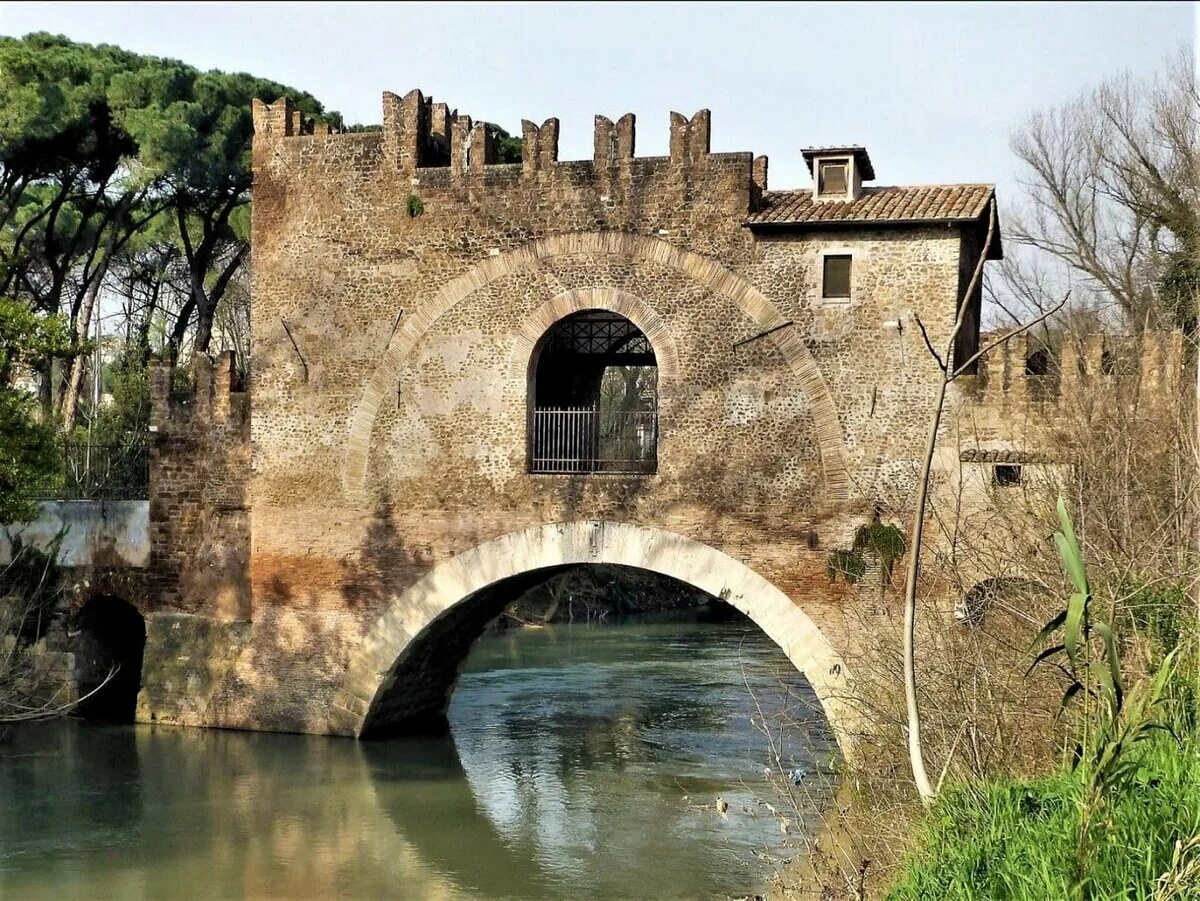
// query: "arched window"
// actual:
[[593, 397], [1040, 374], [1108, 362], [1037, 364]]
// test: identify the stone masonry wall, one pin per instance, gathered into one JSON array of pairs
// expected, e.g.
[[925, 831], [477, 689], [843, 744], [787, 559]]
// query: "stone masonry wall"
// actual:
[[1027, 408], [198, 608], [400, 282], [199, 463]]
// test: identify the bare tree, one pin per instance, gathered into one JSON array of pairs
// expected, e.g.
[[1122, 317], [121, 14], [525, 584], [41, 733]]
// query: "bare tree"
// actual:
[[1113, 192], [950, 370], [1112, 189]]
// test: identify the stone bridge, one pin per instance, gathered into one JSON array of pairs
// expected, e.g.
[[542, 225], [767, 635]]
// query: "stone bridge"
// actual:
[[468, 374]]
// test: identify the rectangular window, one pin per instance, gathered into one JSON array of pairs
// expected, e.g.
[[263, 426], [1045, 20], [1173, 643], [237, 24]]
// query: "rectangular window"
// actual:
[[1006, 475], [832, 178], [836, 280]]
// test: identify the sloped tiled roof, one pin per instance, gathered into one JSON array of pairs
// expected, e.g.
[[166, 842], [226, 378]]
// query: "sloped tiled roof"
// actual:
[[916, 204]]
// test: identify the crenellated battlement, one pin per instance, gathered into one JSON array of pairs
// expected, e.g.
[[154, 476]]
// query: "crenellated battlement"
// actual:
[[691, 139], [539, 145], [282, 119], [1026, 370], [614, 143], [215, 396], [419, 135]]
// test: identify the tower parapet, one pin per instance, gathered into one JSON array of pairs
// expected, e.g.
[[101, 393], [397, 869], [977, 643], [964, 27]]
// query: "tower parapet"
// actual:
[[215, 396], [431, 145], [691, 139], [199, 477], [614, 143], [539, 146], [1026, 371]]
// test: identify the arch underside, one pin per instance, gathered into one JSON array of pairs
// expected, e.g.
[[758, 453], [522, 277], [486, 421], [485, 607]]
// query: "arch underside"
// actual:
[[408, 662], [771, 324]]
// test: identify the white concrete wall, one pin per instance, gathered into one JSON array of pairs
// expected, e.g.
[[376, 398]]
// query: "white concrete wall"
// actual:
[[99, 533]]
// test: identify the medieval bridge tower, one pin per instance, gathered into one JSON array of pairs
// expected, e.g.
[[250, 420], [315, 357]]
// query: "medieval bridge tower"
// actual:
[[429, 422]]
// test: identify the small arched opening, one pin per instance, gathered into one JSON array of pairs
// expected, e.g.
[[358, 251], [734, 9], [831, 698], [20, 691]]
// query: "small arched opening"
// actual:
[[1041, 373], [1108, 362], [593, 397], [1037, 364], [109, 641], [1004, 593]]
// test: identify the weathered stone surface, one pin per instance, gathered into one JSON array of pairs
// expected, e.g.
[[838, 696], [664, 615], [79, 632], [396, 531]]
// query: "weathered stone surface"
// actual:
[[353, 516], [200, 468], [390, 437], [185, 659], [101, 534]]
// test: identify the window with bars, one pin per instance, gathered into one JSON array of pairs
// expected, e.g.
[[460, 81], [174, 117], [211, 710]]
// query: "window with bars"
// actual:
[[835, 279], [594, 404]]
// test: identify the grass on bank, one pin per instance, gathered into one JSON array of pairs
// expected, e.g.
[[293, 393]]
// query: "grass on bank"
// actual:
[[1121, 819], [1018, 839]]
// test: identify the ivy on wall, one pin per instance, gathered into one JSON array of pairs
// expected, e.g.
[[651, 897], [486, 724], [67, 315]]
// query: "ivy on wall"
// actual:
[[883, 540]]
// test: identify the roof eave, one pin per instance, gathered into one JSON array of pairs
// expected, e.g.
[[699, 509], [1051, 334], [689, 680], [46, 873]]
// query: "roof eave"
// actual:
[[995, 253], [856, 223]]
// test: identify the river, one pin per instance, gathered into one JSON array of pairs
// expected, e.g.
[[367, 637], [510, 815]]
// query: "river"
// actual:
[[583, 762]]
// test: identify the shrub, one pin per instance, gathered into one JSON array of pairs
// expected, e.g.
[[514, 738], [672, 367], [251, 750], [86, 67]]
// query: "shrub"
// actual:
[[30, 587], [1121, 818]]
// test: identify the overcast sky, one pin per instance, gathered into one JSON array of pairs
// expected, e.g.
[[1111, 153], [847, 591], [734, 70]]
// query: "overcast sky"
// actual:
[[934, 91]]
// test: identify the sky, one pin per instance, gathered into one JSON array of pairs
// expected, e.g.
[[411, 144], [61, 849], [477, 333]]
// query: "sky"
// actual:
[[933, 90]]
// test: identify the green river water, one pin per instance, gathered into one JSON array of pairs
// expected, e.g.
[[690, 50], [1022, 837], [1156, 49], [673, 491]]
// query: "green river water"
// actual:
[[583, 762]]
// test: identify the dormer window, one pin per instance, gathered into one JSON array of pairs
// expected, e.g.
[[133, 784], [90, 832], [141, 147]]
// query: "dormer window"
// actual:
[[832, 178], [838, 172]]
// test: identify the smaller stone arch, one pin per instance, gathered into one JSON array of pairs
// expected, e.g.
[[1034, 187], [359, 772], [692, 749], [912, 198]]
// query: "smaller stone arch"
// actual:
[[973, 607], [109, 641], [1038, 363], [385, 676]]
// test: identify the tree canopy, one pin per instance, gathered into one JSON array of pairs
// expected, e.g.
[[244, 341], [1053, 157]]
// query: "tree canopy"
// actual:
[[124, 178], [116, 162]]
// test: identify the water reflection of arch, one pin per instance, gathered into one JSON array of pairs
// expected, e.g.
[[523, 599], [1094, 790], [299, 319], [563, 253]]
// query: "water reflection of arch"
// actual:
[[410, 657], [420, 779]]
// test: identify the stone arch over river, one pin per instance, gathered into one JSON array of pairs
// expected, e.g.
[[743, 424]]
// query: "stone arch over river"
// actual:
[[406, 667]]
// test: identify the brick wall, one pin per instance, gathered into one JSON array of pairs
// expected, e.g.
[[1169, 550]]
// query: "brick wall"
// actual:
[[199, 473]]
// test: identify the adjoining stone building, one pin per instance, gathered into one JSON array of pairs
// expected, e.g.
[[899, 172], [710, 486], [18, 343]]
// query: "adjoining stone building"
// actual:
[[426, 428]]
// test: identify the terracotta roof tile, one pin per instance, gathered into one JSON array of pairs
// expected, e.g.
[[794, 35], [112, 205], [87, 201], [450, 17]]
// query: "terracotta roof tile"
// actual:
[[920, 203]]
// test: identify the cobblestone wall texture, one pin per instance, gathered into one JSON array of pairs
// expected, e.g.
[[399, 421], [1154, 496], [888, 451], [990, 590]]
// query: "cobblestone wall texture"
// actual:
[[400, 282]]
